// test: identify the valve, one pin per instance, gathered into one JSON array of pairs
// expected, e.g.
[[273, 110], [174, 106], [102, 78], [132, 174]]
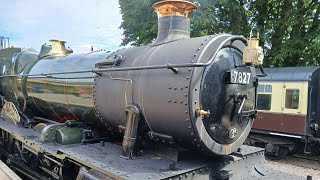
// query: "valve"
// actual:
[[202, 113]]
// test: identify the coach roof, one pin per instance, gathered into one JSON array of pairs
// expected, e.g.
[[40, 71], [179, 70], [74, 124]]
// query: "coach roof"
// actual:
[[302, 73]]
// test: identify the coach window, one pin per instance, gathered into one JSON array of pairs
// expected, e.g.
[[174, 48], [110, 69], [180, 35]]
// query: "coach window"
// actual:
[[292, 98], [264, 101], [264, 97]]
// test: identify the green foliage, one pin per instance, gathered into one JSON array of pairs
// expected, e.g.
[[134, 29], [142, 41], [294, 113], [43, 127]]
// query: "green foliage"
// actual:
[[289, 29], [217, 16], [139, 21]]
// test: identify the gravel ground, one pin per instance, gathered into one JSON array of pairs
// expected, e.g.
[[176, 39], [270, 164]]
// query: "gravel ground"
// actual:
[[296, 166]]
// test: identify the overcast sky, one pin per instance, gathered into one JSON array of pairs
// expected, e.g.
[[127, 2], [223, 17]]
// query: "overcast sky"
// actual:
[[82, 23]]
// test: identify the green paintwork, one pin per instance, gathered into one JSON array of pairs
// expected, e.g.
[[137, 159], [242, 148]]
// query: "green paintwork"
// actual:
[[48, 134], [69, 135], [13, 61], [60, 98], [63, 134]]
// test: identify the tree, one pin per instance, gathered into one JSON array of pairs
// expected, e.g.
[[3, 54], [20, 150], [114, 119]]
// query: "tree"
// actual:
[[289, 29], [139, 21]]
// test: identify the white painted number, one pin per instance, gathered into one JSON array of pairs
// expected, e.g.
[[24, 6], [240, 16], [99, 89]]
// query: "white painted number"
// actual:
[[246, 78], [241, 77], [249, 75]]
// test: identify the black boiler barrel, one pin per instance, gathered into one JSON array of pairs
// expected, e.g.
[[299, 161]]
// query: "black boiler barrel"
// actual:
[[169, 100]]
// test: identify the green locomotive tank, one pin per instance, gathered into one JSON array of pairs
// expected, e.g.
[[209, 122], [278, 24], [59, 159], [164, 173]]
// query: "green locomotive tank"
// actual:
[[60, 97], [13, 61]]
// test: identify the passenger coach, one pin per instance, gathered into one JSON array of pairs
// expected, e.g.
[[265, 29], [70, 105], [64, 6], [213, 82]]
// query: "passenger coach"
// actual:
[[289, 113]]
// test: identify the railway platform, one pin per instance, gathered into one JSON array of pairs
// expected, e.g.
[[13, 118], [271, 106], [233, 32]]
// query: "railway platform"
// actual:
[[6, 173]]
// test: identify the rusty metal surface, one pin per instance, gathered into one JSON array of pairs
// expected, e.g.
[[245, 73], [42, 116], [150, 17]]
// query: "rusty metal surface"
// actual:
[[284, 123]]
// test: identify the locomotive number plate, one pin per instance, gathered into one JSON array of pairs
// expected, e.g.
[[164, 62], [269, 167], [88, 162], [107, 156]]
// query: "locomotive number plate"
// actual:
[[240, 77]]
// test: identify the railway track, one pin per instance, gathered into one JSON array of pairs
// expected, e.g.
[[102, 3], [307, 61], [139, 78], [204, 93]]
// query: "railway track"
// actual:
[[297, 166], [307, 157], [301, 160]]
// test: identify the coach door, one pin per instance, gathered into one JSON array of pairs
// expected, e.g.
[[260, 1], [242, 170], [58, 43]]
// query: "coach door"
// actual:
[[292, 98], [293, 108]]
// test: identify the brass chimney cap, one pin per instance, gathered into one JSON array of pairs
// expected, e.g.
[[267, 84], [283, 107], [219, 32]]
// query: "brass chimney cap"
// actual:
[[58, 48], [174, 8], [57, 40]]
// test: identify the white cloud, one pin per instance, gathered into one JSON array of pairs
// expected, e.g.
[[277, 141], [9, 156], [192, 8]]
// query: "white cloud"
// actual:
[[81, 23]]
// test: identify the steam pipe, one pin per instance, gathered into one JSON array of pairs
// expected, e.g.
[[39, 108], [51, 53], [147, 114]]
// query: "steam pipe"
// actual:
[[130, 144]]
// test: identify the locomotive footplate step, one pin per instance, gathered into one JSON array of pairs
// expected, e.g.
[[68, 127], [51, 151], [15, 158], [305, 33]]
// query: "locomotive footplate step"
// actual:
[[247, 163]]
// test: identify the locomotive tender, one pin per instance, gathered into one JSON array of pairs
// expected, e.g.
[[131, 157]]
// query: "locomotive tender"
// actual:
[[180, 107], [288, 118]]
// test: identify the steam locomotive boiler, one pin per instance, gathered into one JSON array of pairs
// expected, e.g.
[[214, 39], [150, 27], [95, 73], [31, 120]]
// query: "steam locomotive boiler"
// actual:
[[175, 107], [196, 92]]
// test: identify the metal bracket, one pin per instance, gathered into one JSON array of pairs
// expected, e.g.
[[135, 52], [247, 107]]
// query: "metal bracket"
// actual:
[[174, 70]]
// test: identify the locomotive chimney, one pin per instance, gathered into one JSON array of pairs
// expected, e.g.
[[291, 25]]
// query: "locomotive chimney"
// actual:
[[173, 20]]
